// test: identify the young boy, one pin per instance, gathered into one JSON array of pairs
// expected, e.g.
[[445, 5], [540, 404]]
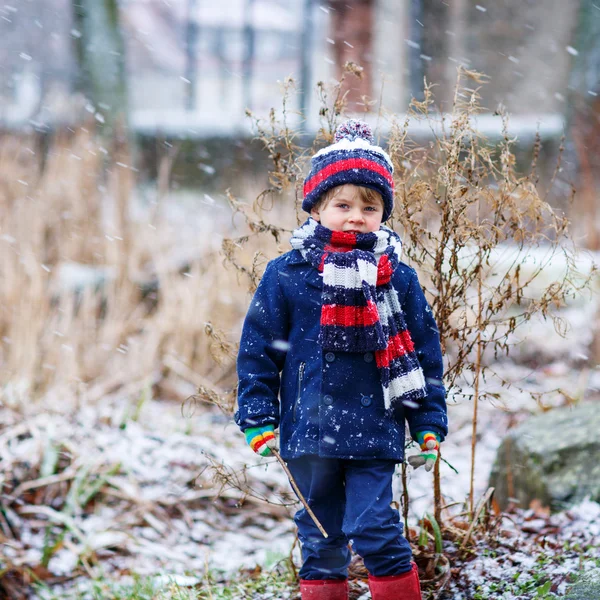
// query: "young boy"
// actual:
[[339, 348]]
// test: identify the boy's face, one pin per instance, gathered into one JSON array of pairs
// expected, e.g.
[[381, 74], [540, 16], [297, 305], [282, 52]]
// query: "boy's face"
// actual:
[[347, 211]]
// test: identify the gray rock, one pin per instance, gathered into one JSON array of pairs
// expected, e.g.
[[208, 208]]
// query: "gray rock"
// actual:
[[587, 588], [553, 457]]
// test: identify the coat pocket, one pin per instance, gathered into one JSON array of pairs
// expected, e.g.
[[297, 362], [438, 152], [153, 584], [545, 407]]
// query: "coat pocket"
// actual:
[[297, 402]]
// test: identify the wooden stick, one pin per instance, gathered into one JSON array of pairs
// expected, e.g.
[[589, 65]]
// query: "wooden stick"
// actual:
[[478, 510], [298, 492]]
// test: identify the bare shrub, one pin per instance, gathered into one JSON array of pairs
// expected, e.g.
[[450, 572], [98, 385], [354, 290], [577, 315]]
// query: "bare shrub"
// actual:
[[480, 234]]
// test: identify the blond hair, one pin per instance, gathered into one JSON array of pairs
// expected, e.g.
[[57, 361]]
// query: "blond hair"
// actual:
[[367, 195]]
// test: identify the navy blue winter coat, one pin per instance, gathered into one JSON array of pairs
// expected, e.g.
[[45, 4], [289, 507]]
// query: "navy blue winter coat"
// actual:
[[329, 404]]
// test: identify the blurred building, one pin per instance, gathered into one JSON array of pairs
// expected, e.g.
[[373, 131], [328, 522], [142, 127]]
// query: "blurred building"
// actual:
[[36, 60], [194, 66]]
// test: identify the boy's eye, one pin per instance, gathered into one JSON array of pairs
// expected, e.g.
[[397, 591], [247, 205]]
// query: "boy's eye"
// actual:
[[342, 205]]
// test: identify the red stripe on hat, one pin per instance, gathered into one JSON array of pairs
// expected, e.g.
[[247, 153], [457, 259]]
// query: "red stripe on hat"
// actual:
[[346, 165], [384, 270], [350, 316], [398, 345]]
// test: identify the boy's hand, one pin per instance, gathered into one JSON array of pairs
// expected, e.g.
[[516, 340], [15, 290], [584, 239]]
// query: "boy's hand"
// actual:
[[430, 445], [261, 439]]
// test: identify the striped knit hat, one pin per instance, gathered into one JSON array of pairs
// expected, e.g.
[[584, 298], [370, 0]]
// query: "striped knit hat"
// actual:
[[352, 158]]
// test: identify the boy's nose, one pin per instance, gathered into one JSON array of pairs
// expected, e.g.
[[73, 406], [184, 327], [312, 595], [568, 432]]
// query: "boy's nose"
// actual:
[[357, 216]]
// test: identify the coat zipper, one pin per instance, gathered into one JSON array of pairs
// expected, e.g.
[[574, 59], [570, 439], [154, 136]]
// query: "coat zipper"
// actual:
[[300, 376]]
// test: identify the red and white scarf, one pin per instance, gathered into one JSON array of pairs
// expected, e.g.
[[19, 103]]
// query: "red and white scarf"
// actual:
[[360, 310]]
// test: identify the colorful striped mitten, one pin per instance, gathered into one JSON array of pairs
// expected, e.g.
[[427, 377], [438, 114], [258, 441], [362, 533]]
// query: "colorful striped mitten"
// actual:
[[261, 439], [430, 445]]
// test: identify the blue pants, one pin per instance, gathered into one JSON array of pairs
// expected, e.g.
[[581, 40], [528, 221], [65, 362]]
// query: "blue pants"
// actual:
[[351, 499]]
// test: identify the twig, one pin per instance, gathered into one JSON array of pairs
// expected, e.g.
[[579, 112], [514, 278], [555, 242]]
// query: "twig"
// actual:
[[291, 557], [480, 506], [207, 576], [477, 376], [55, 517], [182, 370], [405, 501], [42, 482], [298, 492], [444, 583]]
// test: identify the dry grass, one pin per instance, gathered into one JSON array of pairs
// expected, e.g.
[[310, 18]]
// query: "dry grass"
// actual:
[[155, 292], [153, 314]]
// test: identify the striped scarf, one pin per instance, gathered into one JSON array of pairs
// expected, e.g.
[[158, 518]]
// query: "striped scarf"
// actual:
[[360, 309]]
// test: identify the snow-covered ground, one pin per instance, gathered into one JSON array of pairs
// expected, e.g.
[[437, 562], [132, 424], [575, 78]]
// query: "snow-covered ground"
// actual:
[[163, 511]]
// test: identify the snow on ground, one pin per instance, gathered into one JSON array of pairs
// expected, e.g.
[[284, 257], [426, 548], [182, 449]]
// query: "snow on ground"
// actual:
[[162, 513], [164, 516], [548, 365], [534, 548]]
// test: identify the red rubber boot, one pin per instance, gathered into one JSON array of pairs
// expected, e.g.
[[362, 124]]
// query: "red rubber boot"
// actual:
[[323, 589], [396, 587]]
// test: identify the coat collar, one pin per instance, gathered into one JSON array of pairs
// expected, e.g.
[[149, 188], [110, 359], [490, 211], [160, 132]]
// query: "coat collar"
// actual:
[[294, 257], [312, 276]]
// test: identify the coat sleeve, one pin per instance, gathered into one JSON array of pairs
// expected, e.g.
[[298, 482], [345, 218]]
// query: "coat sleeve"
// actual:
[[431, 414], [262, 353]]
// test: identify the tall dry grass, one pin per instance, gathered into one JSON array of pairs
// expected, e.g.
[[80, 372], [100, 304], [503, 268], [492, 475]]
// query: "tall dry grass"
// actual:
[[153, 290]]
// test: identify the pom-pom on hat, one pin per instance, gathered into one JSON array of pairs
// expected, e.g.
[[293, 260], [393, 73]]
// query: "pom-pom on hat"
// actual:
[[352, 158]]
